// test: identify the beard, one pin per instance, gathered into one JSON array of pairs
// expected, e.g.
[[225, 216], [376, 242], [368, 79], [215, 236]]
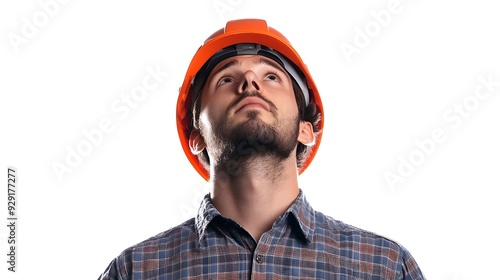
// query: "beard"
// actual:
[[232, 147]]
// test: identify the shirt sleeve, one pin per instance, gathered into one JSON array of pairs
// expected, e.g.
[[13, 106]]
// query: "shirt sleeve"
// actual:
[[410, 268], [112, 272]]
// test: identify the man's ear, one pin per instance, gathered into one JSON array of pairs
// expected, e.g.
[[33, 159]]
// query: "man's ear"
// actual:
[[306, 133], [196, 142]]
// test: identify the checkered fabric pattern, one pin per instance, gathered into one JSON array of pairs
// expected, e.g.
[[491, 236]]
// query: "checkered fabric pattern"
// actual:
[[302, 244]]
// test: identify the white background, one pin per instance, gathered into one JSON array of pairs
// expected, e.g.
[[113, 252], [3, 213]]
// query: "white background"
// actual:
[[62, 79]]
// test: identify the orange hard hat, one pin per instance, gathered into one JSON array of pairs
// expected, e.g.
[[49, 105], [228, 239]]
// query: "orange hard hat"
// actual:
[[242, 31]]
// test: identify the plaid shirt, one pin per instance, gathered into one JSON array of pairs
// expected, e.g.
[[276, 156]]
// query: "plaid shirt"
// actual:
[[302, 244]]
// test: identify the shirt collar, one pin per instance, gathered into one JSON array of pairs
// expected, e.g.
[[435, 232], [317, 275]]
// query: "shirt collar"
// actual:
[[205, 215], [304, 214], [300, 209]]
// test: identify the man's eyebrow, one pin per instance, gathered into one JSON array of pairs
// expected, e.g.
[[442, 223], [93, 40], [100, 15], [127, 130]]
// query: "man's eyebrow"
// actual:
[[225, 66], [273, 64]]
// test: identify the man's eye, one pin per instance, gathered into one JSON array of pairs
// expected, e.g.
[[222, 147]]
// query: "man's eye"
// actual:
[[224, 80], [272, 77]]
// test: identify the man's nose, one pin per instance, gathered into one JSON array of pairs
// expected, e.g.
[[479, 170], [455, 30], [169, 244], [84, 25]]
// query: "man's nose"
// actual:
[[249, 82]]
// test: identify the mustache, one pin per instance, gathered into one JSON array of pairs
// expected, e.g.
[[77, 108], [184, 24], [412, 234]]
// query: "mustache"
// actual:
[[253, 93]]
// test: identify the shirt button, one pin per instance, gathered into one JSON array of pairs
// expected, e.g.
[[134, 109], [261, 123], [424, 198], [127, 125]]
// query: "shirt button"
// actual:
[[259, 258]]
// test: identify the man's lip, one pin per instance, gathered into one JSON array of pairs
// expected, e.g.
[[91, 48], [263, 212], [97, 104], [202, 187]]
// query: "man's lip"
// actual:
[[253, 101]]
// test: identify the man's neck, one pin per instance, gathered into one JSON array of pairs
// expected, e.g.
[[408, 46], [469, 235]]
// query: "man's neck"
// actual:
[[255, 195]]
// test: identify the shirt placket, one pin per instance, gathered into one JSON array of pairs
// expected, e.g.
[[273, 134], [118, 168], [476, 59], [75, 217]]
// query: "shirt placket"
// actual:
[[259, 265], [263, 265]]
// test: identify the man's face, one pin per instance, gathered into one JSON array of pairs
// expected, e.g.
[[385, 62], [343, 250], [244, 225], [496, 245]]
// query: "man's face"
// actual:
[[247, 108]]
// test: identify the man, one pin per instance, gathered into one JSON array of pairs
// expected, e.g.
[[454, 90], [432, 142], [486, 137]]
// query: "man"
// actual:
[[250, 120]]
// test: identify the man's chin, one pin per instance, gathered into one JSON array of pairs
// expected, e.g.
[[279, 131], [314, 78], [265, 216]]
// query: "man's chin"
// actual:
[[251, 126], [249, 116]]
